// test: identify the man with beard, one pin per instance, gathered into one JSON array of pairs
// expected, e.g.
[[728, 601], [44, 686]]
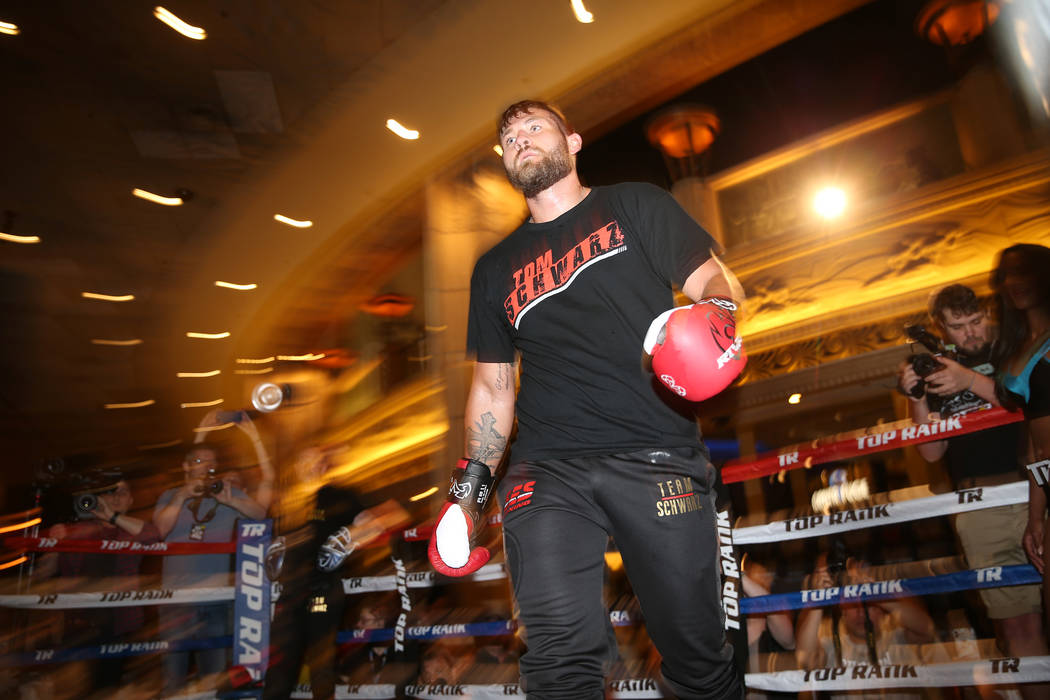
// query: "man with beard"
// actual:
[[990, 536], [602, 448]]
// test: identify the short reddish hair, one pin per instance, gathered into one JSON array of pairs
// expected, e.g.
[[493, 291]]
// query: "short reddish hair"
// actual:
[[524, 107]]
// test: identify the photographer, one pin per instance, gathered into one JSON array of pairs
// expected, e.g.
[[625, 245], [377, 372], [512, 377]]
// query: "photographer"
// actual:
[[858, 633], [990, 536], [204, 508], [102, 505]]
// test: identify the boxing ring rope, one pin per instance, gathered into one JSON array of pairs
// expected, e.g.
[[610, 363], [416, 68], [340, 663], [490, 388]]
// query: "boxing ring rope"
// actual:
[[842, 446]]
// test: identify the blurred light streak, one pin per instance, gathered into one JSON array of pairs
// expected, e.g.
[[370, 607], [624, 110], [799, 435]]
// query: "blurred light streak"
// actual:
[[9, 29], [254, 360], [304, 223], [156, 198], [109, 341], [420, 496], [208, 336], [614, 561], [265, 370], [183, 28], [405, 133], [212, 428], [160, 445], [108, 297], [20, 526], [582, 15], [308, 357], [436, 329], [137, 404], [498, 149], [238, 287], [14, 562], [794, 399], [198, 375], [201, 404], [12, 238]]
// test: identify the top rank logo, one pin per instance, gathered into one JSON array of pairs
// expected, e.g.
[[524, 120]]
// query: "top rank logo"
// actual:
[[546, 276]]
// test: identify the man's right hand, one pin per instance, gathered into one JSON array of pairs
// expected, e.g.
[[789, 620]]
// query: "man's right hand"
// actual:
[[453, 549], [1033, 542], [907, 379]]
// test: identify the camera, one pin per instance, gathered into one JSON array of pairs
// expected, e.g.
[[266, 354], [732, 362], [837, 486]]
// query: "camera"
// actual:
[[213, 483], [84, 503], [837, 557], [925, 363]]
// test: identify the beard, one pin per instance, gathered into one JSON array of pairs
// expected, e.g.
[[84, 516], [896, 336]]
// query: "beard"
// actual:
[[541, 172]]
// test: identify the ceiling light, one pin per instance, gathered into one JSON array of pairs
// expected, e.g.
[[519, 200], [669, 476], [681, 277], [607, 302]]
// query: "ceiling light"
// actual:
[[265, 370], [305, 223], [201, 404], [407, 134], [187, 30], [34, 521], [137, 404], [107, 297], [9, 29], [11, 238], [156, 198], [238, 287], [198, 375], [420, 496], [830, 202], [107, 341], [254, 360], [301, 358], [208, 336], [212, 428], [794, 399], [14, 562], [498, 149], [582, 15]]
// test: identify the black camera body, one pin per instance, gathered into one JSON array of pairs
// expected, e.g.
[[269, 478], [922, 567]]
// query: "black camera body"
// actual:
[[213, 483], [925, 363]]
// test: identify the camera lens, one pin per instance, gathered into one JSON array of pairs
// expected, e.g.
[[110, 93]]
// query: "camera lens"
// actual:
[[215, 486], [86, 503]]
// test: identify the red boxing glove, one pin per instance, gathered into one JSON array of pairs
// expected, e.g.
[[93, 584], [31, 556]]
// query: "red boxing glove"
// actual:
[[695, 349], [453, 549]]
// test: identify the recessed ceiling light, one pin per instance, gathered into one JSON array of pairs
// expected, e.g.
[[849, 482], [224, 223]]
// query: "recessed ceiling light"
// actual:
[[108, 341], [198, 375], [201, 404], [255, 360], [265, 370], [156, 198], [12, 238], [9, 29], [238, 287], [403, 132], [136, 404], [582, 15], [830, 202], [498, 149], [302, 358], [794, 399], [188, 30], [298, 223], [107, 297], [208, 336]]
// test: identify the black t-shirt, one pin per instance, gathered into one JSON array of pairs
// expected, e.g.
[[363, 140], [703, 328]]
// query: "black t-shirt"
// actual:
[[986, 452], [574, 297]]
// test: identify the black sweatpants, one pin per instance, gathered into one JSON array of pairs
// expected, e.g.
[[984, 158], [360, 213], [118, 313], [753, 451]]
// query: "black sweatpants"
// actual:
[[658, 506]]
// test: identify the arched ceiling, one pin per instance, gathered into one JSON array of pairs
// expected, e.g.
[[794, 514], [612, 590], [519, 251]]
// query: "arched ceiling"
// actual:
[[281, 109]]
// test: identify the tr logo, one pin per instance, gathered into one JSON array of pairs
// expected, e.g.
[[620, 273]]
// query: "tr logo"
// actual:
[[253, 529]]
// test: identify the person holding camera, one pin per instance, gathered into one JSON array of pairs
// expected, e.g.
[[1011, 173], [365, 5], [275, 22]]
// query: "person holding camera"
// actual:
[[102, 508], [989, 536], [858, 632], [204, 508]]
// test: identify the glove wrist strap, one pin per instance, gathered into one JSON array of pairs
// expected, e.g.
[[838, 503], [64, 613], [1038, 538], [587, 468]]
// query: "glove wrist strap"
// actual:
[[471, 485]]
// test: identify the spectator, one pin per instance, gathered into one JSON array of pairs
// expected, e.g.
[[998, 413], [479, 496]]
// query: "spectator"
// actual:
[[107, 520], [989, 536], [204, 508], [1023, 289], [859, 633]]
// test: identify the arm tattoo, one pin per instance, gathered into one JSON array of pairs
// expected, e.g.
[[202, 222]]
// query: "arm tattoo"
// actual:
[[504, 377], [484, 443]]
